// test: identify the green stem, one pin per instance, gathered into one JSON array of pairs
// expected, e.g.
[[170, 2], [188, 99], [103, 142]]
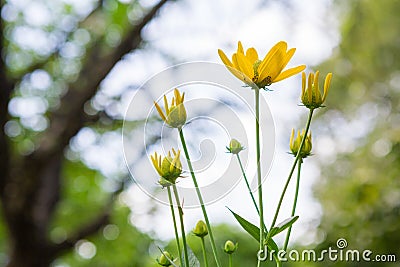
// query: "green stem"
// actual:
[[293, 167], [203, 246], [185, 251], [230, 260], [259, 179], [174, 220], [294, 203], [247, 184], [199, 196]]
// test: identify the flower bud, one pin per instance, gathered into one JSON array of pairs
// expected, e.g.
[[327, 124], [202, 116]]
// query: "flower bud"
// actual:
[[311, 96], [235, 147], [175, 114], [295, 144], [230, 247], [201, 229], [169, 168], [163, 260]]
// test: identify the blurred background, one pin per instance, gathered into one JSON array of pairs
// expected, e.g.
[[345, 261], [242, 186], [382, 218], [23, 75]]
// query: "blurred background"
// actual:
[[69, 69]]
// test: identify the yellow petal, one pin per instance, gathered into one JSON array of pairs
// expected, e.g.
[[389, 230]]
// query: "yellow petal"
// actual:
[[154, 159], [289, 72], [160, 112], [251, 55], [291, 142], [309, 88], [317, 93], [224, 58], [235, 61], [178, 96], [245, 66], [316, 83], [182, 98], [235, 70], [240, 48], [287, 58], [327, 84], [280, 60], [166, 105], [303, 82], [263, 68]]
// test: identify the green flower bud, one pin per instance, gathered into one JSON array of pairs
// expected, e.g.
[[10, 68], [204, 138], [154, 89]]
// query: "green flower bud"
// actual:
[[169, 168], [177, 116], [175, 113], [163, 260], [201, 229], [295, 144], [235, 147], [230, 247]]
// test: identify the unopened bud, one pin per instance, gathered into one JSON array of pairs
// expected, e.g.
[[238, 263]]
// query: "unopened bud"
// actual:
[[235, 147], [230, 247], [201, 229], [164, 259], [295, 143]]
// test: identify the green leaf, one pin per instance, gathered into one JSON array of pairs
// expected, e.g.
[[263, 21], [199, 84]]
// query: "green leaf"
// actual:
[[283, 225], [254, 231], [250, 228]]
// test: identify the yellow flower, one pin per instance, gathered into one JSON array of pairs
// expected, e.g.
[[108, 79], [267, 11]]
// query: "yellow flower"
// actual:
[[175, 114], [311, 96], [169, 168], [250, 69], [295, 144]]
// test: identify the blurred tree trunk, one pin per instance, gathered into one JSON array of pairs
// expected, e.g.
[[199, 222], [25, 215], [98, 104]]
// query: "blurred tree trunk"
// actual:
[[30, 185]]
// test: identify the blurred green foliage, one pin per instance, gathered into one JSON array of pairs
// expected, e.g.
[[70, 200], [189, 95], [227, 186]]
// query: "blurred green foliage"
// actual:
[[359, 189], [118, 244]]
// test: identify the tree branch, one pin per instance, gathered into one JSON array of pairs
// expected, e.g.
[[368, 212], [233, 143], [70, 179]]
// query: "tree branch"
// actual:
[[6, 88], [66, 121]]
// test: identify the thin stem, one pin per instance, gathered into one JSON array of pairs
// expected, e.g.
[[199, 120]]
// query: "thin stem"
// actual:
[[174, 220], [259, 180], [203, 246], [294, 203], [247, 184], [199, 196], [185, 251], [293, 167], [230, 260]]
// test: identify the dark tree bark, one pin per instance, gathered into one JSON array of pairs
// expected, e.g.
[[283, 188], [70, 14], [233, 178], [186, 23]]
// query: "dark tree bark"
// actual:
[[30, 185]]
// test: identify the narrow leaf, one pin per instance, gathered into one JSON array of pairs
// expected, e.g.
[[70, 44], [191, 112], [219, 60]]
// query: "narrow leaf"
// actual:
[[283, 225], [254, 231], [250, 228]]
